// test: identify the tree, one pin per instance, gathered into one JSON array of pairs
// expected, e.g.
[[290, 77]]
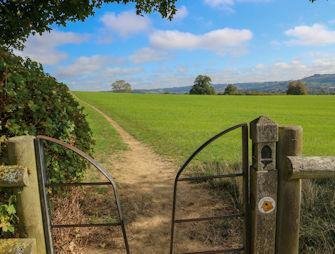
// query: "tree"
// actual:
[[296, 88], [121, 86], [19, 19], [230, 89], [202, 85]]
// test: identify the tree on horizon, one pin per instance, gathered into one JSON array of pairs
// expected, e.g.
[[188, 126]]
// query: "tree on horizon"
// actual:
[[202, 85], [230, 89], [296, 88], [121, 86]]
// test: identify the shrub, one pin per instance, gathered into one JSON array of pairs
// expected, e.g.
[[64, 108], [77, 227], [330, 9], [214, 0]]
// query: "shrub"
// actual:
[[32, 102]]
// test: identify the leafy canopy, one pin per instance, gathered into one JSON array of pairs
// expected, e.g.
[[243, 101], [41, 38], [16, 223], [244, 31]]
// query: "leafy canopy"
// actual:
[[202, 85], [230, 89], [19, 19], [296, 88], [121, 86]]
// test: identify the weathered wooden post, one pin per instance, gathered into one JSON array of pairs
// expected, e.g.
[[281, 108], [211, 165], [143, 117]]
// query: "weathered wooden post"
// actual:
[[21, 151], [289, 192], [292, 167], [263, 185]]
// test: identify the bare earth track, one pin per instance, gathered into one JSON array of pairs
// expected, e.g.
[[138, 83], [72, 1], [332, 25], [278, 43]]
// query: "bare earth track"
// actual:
[[145, 182]]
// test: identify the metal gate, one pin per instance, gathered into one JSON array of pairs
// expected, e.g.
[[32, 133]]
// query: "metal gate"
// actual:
[[244, 172], [44, 184]]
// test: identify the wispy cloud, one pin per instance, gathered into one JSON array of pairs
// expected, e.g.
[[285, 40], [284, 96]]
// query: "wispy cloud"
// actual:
[[97, 72], [44, 48], [126, 23], [148, 55], [314, 35], [83, 65], [182, 12], [228, 5]]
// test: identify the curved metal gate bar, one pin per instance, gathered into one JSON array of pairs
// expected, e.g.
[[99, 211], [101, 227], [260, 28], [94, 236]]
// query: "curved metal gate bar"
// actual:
[[44, 195], [244, 173]]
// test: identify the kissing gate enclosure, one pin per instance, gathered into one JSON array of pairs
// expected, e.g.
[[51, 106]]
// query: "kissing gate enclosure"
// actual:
[[271, 194]]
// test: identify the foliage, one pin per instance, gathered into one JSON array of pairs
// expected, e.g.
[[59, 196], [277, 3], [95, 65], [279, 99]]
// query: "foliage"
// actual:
[[230, 89], [32, 102], [19, 19], [8, 216], [296, 88], [121, 86], [202, 85]]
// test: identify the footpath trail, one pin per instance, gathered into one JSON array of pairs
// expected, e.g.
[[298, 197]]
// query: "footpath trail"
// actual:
[[145, 181]]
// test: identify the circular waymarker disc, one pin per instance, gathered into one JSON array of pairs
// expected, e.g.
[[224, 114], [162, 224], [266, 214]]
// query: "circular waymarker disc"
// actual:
[[266, 205]]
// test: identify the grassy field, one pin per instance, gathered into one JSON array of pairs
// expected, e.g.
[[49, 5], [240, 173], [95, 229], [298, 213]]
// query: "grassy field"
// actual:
[[175, 125], [107, 140]]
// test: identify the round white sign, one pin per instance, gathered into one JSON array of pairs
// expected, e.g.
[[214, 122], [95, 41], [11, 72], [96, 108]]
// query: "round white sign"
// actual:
[[266, 205]]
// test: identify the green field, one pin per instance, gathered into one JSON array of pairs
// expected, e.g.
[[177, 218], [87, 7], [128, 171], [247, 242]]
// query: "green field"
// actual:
[[175, 125], [106, 139]]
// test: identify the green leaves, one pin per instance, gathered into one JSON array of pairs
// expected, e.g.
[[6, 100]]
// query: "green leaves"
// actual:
[[202, 85], [32, 102], [19, 19], [8, 216]]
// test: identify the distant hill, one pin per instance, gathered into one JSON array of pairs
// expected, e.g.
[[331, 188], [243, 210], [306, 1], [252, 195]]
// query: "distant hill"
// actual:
[[318, 83]]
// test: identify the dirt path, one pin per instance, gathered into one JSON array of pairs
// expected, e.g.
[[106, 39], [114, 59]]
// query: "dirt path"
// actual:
[[145, 182]]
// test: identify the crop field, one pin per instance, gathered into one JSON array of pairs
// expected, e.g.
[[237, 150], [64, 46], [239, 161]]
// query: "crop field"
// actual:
[[175, 125], [106, 139]]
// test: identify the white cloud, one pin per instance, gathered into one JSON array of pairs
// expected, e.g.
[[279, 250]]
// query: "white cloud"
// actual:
[[181, 13], [222, 41], [97, 72], [276, 71], [229, 4], [122, 71], [314, 35], [220, 3], [84, 65], [182, 75], [43, 48], [147, 55], [126, 23]]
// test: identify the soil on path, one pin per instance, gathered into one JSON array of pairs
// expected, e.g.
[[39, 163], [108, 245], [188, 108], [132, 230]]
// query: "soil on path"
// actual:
[[145, 181]]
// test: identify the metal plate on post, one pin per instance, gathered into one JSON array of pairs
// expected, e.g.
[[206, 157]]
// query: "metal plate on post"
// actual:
[[266, 205]]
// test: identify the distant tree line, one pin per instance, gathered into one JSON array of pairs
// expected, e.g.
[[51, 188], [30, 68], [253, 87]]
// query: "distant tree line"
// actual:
[[203, 86]]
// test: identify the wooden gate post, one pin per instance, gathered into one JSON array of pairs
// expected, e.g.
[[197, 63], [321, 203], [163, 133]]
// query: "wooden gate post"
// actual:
[[263, 185], [289, 192], [21, 151]]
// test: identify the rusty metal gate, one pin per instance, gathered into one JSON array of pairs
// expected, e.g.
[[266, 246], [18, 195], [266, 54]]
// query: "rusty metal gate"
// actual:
[[244, 172], [45, 184]]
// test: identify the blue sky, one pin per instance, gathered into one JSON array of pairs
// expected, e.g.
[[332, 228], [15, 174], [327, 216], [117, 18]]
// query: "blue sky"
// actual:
[[229, 40]]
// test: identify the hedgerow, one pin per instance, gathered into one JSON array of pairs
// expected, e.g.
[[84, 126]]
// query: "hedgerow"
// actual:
[[34, 103]]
